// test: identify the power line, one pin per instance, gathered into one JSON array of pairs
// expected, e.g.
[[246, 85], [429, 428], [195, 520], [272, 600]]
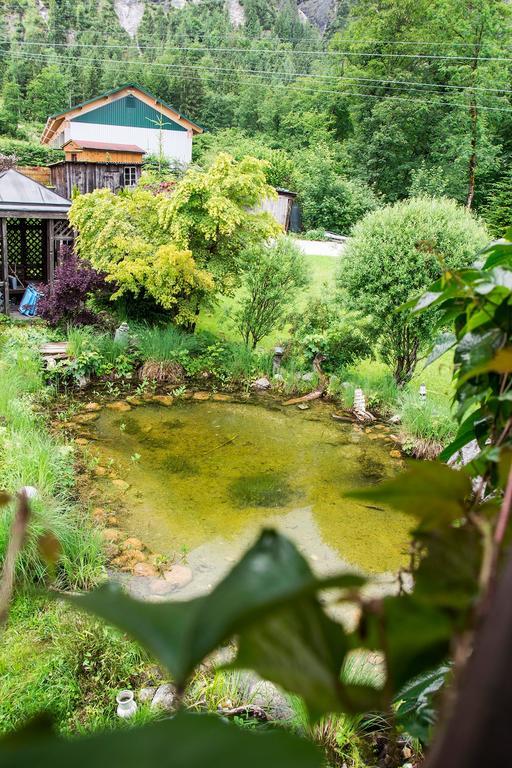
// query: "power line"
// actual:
[[357, 94], [402, 85], [361, 54]]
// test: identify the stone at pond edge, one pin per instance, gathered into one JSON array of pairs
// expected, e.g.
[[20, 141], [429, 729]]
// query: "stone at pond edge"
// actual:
[[146, 695], [132, 543], [145, 569], [395, 454], [85, 418], [178, 576], [159, 587], [201, 396], [81, 441], [121, 484], [261, 384], [221, 398], [111, 535], [119, 405], [167, 400], [134, 400], [100, 471], [164, 697], [92, 407]]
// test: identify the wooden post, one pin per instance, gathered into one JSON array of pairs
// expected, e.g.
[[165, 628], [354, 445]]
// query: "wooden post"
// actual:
[[50, 247], [4, 271]]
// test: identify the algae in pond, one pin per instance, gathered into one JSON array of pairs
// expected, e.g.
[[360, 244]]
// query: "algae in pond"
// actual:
[[268, 489], [179, 465], [129, 425]]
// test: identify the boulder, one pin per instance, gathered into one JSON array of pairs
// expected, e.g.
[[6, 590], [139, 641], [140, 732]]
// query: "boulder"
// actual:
[[132, 543], [221, 397], [85, 418], [261, 384], [92, 407], [266, 695], [100, 471], [395, 454], [164, 697], [134, 400]]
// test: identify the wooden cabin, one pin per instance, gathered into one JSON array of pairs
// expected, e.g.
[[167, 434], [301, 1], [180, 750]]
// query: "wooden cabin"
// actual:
[[33, 228], [91, 165]]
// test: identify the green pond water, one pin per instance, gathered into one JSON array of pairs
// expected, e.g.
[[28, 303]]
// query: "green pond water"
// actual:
[[206, 476]]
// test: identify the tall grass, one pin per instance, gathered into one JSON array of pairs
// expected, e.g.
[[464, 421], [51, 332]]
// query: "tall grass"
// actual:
[[167, 344], [29, 455]]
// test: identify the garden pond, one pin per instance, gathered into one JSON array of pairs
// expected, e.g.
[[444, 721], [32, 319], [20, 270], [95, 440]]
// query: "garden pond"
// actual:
[[200, 479]]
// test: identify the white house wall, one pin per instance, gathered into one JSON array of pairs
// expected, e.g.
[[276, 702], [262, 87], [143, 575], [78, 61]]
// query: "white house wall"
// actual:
[[175, 145]]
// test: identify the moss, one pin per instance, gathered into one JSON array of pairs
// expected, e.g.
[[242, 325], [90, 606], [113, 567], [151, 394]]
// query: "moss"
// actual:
[[267, 489]]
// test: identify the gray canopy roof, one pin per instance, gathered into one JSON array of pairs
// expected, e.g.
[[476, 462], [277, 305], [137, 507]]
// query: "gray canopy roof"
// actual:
[[19, 193]]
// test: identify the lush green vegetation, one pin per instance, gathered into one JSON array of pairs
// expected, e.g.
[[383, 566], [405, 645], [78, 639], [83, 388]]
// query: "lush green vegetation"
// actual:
[[29, 456]]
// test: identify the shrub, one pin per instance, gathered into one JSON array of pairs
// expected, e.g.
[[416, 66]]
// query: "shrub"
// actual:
[[323, 326], [328, 200], [394, 254], [65, 301], [497, 210], [272, 276], [30, 153]]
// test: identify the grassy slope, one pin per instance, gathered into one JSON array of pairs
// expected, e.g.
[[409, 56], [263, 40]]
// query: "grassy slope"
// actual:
[[322, 270]]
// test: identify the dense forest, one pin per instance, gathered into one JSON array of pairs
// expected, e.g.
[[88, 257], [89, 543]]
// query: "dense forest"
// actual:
[[361, 101]]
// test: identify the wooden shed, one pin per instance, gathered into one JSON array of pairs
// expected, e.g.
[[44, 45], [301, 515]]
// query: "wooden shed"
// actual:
[[33, 227], [91, 165]]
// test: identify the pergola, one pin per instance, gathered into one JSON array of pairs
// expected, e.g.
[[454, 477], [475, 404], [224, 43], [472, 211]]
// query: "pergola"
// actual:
[[33, 226]]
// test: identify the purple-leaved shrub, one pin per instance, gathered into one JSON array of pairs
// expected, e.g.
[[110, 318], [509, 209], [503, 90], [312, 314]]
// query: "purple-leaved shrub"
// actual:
[[65, 301]]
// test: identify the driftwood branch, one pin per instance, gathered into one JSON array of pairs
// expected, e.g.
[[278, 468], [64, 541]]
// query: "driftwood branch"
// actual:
[[249, 710]]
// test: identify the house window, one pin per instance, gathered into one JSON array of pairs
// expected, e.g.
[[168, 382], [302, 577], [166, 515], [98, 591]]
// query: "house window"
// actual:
[[74, 157], [130, 175]]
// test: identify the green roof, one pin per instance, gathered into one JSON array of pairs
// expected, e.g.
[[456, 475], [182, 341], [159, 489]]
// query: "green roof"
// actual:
[[120, 88]]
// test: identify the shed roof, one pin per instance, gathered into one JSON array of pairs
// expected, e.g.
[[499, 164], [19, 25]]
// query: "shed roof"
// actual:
[[104, 145], [19, 193]]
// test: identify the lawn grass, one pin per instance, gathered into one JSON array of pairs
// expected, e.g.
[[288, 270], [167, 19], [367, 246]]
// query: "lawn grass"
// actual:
[[322, 271]]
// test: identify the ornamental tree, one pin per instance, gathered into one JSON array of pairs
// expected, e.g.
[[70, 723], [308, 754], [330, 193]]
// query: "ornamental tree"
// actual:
[[395, 253], [177, 248], [213, 213]]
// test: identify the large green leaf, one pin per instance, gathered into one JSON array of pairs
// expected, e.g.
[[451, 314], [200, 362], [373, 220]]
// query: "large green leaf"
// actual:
[[185, 741], [302, 649], [500, 362], [430, 491], [415, 709], [182, 634], [416, 636]]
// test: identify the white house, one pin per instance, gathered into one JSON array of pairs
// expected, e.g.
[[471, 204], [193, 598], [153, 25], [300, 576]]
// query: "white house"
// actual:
[[125, 115]]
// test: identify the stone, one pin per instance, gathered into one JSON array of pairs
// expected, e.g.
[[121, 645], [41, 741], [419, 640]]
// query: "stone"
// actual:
[[132, 543], [267, 696], [396, 419], [121, 484], [92, 407], [261, 384], [164, 697], [201, 396], [220, 397], [178, 576], [145, 569], [145, 695], [81, 441], [119, 405], [112, 520], [303, 407], [395, 454], [160, 587], [134, 400], [309, 376], [85, 418], [100, 471], [98, 514], [166, 400], [112, 535]]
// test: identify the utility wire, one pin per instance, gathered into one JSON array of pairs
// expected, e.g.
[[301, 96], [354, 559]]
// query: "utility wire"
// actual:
[[401, 85], [357, 94], [362, 54]]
